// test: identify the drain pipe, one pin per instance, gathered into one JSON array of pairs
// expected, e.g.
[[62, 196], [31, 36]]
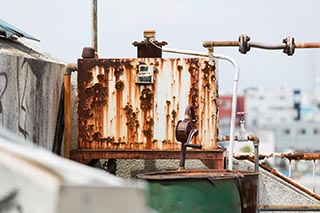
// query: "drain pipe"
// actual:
[[234, 95], [68, 69], [234, 107]]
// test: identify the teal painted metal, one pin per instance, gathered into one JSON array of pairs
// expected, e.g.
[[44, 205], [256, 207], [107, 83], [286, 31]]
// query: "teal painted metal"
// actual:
[[194, 191], [7, 30]]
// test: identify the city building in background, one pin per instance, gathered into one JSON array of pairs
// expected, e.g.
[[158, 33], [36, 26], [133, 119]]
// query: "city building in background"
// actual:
[[289, 118]]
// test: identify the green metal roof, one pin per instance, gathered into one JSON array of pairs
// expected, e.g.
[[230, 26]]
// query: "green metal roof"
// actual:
[[7, 30]]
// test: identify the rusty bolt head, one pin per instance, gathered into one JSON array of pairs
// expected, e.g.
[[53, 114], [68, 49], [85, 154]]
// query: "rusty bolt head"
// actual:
[[88, 52]]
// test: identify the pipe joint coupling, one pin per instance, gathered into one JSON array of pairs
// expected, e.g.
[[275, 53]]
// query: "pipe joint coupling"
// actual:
[[289, 49], [244, 45]]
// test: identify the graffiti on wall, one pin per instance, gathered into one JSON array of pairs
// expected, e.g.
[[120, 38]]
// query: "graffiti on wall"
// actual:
[[9, 203], [3, 87], [22, 82], [28, 84]]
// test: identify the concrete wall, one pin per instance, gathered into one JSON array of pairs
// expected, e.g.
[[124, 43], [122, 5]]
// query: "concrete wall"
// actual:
[[30, 86], [275, 191], [33, 179]]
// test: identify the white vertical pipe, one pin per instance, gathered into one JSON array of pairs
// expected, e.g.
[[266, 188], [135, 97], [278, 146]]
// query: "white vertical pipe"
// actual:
[[289, 169], [234, 106], [234, 95], [314, 176]]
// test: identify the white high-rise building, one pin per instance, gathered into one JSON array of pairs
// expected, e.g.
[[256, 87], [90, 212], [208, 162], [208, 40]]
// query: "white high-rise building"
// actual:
[[270, 106]]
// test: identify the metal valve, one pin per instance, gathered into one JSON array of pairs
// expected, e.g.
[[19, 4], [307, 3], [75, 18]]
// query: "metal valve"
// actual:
[[185, 131]]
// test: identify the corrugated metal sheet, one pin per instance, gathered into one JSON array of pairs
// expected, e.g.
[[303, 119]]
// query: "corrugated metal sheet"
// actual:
[[116, 112]]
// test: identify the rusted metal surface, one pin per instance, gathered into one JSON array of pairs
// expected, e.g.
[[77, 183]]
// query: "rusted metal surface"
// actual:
[[289, 156], [288, 208], [191, 174], [149, 47], [307, 45], [116, 113], [88, 154], [67, 117], [146, 50]]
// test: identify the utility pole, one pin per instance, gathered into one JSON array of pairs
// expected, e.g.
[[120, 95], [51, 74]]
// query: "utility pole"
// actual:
[[94, 16]]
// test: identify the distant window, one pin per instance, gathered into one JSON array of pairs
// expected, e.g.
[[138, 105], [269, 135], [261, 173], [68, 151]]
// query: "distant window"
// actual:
[[315, 131], [254, 122], [302, 131], [283, 120], [282, 97], [226, 105], [261, 97], [287, 131], [225, 121]]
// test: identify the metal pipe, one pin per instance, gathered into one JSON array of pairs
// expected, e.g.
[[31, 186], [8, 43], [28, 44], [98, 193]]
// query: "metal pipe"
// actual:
[[314, 176], [234, 105], [290, 167], [58, 135], [234, 94], [95, 25], [307, 45], [289, 156], [280, 46], [67, 107], [183, 52], [255, 139], [210, 44]]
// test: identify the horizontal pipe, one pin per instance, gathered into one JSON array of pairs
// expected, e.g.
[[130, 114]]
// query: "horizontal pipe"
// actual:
[[289, 156], [307, 45], [288, 208], [184, 52], [267, 46], [208, 44]]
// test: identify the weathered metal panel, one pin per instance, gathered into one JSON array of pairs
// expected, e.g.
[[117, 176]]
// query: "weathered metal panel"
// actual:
[[116, 112], [194, 191], [30, 87]]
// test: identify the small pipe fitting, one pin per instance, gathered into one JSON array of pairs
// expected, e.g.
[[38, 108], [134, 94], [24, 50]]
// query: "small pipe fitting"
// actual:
[[255, 139], [69, 68]]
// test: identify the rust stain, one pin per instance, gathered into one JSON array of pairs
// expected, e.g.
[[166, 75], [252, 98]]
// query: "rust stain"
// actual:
[[132, 123], [167, 120], [146, 99], [194, 90]]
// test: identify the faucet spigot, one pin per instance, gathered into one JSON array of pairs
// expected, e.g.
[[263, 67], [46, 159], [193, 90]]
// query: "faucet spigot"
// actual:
[[242, 132], [185, 132]]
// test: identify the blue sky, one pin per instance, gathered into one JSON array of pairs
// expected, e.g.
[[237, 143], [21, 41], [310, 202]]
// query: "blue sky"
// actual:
[[64, 29]]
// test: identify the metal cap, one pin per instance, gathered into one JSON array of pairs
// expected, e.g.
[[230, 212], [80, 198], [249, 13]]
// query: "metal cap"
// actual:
[[88, 52], [149, 34]]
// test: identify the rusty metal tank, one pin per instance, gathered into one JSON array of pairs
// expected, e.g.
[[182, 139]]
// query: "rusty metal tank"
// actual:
[[136, 103], [202, 191]]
